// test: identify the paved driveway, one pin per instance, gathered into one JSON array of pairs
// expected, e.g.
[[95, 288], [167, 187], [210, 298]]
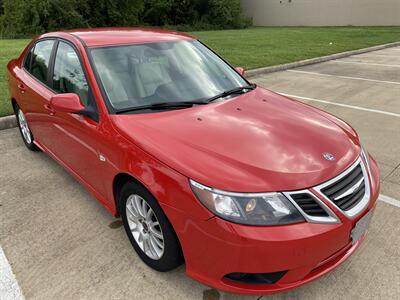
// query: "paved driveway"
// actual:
[[62, 244]]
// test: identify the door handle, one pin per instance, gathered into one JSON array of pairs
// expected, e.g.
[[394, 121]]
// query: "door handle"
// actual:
[[50, 110], [21, 88]]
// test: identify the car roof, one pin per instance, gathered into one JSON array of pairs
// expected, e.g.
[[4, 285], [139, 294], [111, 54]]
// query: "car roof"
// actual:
[[97, 37]]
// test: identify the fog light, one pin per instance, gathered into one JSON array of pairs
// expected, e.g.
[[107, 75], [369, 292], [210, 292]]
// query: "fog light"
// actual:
[[256, 278]]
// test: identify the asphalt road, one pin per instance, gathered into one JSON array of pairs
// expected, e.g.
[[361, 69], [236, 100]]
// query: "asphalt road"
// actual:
[[62, 244]]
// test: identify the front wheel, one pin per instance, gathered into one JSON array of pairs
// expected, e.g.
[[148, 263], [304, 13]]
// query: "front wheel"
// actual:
[[26, 133], [148, 229]]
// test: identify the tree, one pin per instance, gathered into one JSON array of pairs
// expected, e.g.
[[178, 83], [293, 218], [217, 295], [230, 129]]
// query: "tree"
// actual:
[[25, 18], [226, 13], [113, 13], [157, 12], [22, 18]]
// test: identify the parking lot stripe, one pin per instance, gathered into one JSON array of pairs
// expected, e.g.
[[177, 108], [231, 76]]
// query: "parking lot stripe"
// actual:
[[343, 105], [9, 288], [389, 200], [375, 54], [365, 63], [344, 77]]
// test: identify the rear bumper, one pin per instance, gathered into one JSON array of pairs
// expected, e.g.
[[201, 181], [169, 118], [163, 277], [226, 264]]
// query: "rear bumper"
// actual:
[[305, 251]]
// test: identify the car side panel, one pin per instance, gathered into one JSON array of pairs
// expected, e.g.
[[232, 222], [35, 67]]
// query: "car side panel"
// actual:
[[166, 185], [68, 138]]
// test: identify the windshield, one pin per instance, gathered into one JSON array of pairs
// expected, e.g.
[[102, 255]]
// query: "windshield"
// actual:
[[146, 74]]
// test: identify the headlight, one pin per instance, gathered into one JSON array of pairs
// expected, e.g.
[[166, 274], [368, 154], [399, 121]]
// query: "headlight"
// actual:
[[250, 209], [365, 157]]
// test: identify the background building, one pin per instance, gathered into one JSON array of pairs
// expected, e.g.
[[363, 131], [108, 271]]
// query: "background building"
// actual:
[[322, 12]]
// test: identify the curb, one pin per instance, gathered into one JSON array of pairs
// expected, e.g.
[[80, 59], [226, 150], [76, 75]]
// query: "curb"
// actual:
[[8, 122], [266, 70], [11, 122]]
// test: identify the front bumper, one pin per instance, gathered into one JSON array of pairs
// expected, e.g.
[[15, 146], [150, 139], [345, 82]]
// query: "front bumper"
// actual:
[[306, 251]]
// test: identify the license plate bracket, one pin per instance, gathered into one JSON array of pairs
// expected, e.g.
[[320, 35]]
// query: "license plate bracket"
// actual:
[[361, 227]]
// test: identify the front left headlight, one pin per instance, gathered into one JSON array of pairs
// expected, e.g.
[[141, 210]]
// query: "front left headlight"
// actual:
[[250, 209]]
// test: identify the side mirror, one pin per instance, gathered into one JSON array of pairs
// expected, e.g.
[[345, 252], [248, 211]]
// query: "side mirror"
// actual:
[[240, 70], [70, 103]]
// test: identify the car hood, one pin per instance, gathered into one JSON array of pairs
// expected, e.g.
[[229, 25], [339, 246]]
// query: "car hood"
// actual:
[[256, 142]]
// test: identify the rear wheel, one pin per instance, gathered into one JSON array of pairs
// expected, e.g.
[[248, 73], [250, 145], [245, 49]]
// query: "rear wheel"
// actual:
[[148, 229], [23, 126]]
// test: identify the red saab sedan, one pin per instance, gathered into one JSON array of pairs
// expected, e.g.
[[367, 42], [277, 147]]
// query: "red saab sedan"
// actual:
[[255, 192]]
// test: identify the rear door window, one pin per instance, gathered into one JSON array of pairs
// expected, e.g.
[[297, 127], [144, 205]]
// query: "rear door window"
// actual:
[[41, 60]]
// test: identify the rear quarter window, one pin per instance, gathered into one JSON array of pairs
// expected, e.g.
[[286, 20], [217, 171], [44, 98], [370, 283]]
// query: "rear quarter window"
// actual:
[[28, 59]]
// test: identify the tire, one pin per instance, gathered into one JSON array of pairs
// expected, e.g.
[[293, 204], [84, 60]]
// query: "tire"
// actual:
[[161, 254], [26, 133]]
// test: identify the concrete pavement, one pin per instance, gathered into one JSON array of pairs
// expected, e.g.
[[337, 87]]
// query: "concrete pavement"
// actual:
[[62, 244]]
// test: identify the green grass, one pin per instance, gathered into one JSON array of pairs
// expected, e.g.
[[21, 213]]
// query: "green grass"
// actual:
[[9, 49], [266, 46], [253, 48]]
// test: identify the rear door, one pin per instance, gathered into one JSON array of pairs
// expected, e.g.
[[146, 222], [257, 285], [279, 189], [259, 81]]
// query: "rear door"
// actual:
[[35, 91]]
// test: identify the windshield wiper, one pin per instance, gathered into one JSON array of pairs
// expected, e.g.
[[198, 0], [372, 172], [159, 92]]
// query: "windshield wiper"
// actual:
[[179, 104], [161, 105], [237, 90]]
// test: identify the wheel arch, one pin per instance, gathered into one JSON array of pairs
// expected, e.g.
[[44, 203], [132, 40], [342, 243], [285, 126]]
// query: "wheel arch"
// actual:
[[14, 103], [119, 181]]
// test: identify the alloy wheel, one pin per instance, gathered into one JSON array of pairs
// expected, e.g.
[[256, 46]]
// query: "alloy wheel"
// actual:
[[26, 133], [145, 227]]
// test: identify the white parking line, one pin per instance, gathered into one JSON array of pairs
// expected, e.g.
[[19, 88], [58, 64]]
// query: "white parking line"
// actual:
[[9, 288], [375, 54], [365, 63], [345, 77], [389, 200], [343, 105]]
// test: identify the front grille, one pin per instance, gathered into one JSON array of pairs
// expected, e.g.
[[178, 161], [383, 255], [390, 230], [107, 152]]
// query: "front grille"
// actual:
[[309, 205], [348, 191]]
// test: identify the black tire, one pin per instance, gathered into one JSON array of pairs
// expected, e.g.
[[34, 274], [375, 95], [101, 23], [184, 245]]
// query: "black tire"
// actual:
[[29, 144], [172, 256]]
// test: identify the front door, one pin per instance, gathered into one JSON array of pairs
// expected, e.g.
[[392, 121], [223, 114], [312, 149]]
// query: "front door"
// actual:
[[75, 136]]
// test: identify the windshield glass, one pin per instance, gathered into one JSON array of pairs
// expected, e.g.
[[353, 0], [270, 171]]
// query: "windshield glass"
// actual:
[[146, 74]]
